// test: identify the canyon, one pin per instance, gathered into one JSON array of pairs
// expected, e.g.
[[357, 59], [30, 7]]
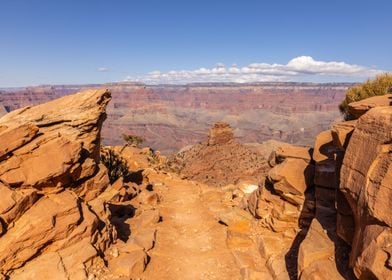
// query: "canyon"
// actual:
[[170, 117], [72, 208]]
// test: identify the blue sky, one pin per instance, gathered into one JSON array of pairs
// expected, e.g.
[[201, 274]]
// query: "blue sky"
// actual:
[[86, 41]]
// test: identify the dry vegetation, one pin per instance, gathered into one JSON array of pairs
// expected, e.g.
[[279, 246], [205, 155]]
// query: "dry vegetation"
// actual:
[[381, 85]]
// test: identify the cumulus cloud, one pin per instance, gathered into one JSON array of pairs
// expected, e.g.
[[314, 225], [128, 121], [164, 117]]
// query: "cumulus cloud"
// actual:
[[103, 69], [300, 68]]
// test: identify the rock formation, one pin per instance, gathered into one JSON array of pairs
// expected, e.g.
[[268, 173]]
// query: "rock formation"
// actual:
[[171, 117], [366, 183], [220, 161], [46, 153], [72, 209]]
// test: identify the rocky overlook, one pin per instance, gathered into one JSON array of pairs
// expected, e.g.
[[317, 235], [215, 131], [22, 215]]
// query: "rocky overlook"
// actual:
[[73, 209], [170, 117]]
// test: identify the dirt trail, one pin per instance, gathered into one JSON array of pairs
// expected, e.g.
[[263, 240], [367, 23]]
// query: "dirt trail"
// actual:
[[190, 242]]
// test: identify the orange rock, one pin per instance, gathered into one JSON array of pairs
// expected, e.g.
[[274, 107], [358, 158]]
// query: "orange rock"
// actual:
[[129, 264], [14, 137], [291, 178], [49, 154], [341, 133], [93, 187], [359, 108], [316, 246], [221, 133], [291, 151], [365, 180], [71, 125]]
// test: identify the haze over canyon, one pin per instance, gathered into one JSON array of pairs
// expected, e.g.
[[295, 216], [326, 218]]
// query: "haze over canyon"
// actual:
[[170, 117]]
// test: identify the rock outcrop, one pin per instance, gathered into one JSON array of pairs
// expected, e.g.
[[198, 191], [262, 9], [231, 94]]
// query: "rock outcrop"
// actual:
[[47, 153], [220, 161], [366, 182], [357, 109]]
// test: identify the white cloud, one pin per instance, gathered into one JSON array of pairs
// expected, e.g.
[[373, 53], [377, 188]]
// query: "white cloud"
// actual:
[[103, 69], [300, 68]]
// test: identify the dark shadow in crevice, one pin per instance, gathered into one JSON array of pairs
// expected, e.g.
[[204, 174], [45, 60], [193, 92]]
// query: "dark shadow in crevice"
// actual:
[[150, 187], [134, 177], [119, 214], [222, 223]]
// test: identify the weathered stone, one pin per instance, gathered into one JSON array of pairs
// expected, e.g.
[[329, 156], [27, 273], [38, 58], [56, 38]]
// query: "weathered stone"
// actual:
[[357, 109], [51, 219], [366, 177], [94, 186], [221, 133], [291, 151], [321, 270], [341, 133], [316, 246], [14, 137], [129, 264], [324, 148], [70, 263], [71, 125], [291, 178], [325, 174]]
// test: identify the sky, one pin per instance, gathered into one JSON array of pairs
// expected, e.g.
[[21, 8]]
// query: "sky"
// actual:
[[182, 41]]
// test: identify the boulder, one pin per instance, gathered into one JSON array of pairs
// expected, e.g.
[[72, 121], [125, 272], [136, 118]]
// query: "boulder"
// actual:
[[291, 178], [316, 255], [357, 109], [341, 133], [130, 263], [291, 151], [324, 147]]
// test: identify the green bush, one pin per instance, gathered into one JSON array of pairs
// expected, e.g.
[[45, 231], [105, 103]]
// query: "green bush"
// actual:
[[381, 85], [116, 165]]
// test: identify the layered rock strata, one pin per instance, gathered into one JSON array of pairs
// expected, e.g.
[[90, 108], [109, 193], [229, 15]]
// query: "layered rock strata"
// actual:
[[48, 154]]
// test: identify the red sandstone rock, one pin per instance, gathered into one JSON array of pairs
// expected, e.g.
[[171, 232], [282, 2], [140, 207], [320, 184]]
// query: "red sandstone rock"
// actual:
[[292, 113], [365, 181], [49, 154], [359, 108], [220, 161]]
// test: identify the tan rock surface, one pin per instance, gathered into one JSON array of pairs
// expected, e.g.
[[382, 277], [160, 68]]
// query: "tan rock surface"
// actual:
[[365, 181], [290, 151], [71, 124], [291, 178], [359, 108], [47, 153]]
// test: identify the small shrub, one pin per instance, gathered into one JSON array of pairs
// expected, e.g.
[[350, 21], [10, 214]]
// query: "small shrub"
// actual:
[[116, 165], [132, 140], [381, 85]]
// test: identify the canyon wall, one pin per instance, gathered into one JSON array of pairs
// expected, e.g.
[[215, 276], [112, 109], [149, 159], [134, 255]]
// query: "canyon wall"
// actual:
[[171, 117]]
